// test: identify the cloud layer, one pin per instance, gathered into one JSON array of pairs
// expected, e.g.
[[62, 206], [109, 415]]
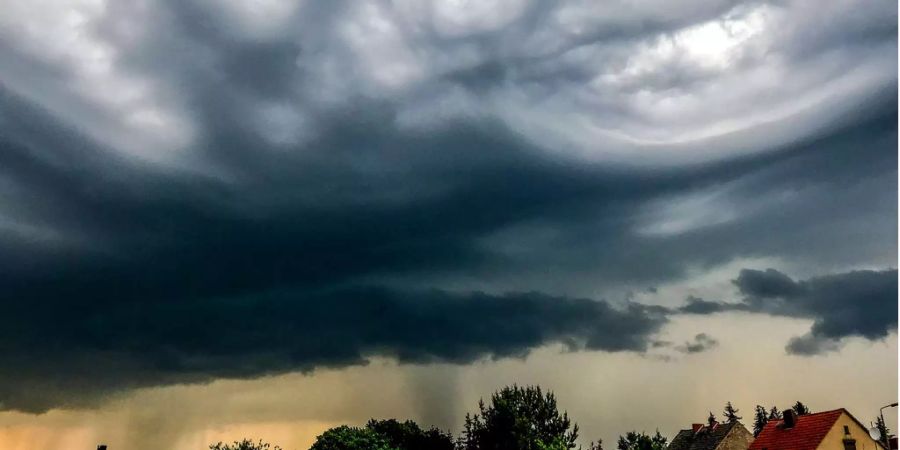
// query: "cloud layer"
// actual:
[[192, 190], [859, 303], [98, 349]]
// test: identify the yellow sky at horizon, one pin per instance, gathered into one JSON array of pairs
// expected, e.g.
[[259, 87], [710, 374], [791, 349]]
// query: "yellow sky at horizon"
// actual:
[[607, 394]]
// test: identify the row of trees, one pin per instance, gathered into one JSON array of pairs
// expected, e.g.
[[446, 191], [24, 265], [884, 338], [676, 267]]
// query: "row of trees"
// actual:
[[762, 416], [524, 418]]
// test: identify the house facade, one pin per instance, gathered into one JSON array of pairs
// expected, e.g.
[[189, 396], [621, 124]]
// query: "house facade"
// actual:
[[827, 430]]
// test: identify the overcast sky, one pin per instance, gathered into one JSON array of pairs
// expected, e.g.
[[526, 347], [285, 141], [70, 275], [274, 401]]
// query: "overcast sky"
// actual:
[[263, 218]]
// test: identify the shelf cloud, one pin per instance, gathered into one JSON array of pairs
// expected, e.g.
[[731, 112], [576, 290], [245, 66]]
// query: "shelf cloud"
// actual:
[[192, 191]]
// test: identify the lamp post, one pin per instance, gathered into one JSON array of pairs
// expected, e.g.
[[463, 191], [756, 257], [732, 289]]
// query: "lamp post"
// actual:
[[886, 439]]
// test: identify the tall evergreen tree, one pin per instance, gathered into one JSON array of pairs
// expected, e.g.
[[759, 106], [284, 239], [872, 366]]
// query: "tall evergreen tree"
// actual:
[[800, 409], [711, 419], [774, 413], [760, 419], [884, 430], [730, 413]]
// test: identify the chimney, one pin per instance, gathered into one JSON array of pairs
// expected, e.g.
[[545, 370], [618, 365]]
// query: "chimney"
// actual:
[[789, 418], [696, 427]]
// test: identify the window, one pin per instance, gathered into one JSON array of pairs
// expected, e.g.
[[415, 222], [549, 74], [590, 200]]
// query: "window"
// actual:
[[846, 430]]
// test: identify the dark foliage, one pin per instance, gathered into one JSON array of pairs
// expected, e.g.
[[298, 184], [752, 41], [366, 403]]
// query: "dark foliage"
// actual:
[[245, 444], [884, 430], [800, 408], [521, 418], [760, 419], [351, 438], [730, 413], [641, 441], [409, 436]]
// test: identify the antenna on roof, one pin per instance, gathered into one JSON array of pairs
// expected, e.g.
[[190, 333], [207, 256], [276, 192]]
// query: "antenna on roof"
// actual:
[[875, 434]]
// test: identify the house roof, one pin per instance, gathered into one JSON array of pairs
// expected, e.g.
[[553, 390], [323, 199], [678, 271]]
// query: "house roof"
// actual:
[[706, 438], [806, 434]]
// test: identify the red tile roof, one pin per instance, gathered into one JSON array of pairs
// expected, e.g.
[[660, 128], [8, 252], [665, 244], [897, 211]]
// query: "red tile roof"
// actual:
[[807, 433]]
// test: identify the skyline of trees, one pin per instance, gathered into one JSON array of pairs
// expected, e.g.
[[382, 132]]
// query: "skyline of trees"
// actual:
[[525, 418]]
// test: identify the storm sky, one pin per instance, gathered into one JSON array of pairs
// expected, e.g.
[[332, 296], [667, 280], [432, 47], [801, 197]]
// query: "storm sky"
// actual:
[[274, 216]]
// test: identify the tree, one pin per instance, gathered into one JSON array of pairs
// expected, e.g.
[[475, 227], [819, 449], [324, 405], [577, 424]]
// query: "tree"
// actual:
[[641, 441], [800, 409], [557, 444], [522, 418], [885, 432], [730, 413], [760, 419], [409, 436], [711, 420], [245, 444], [351, 438], [774, 413]]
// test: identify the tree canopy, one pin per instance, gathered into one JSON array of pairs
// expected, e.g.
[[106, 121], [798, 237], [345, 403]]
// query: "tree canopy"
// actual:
[[409, 436], [800, 408], [760, 419], [516, 418], [522, 418], [884, 430], [351, 438], [730, 413], [641, 441], [245, 444]]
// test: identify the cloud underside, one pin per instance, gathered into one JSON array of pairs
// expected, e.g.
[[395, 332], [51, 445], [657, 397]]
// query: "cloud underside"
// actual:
[[854, 304], [89, 350], [315, 184]]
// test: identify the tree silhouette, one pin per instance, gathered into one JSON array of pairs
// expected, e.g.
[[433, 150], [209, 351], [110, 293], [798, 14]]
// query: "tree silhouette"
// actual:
[[730, 413], [641, 441], [351, 438], [522, 418], [884, 430], [409, 436], [774, 413], [800, 409], [760, 419], [711, 420], [245, 444]]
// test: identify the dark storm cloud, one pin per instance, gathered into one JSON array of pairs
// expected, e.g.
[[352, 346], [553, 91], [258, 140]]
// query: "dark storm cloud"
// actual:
[[191, 203], [88, 350], [859, 303], [696, 305], [701, 343]]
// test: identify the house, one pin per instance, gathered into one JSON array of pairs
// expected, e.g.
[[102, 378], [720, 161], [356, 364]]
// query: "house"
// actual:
[[715, 436], [828, 430]]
